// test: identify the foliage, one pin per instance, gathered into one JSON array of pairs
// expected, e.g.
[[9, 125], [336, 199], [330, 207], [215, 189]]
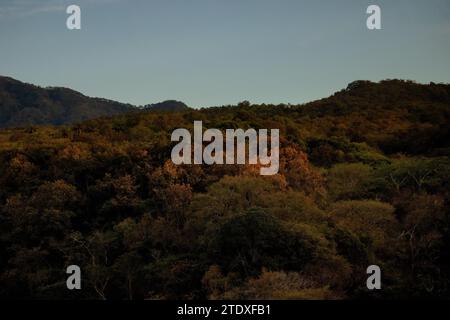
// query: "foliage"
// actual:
[[364, 179]]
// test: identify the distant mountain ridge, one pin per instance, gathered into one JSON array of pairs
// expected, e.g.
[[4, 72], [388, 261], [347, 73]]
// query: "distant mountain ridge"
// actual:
[[167, 106], [23, 104]]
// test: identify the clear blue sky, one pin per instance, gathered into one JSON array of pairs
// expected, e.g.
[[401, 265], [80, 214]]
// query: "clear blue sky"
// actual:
[[214, 52]]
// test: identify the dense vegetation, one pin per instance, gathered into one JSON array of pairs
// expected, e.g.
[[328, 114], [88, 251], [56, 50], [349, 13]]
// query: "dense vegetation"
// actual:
[[23, 104], [364, 179], [167, 106]]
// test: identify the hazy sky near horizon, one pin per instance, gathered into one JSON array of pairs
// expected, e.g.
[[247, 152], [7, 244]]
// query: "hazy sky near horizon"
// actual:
[[215, 52]]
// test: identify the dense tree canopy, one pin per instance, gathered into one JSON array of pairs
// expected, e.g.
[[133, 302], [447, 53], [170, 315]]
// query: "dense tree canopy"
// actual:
[[364, 179]]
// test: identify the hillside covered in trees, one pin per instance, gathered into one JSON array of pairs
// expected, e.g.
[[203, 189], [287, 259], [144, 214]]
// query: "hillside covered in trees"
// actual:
[[23, 104], [364, 179], [167, 106]]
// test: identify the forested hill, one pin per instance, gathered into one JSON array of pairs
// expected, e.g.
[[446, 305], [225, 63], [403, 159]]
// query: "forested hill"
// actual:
[[24, 104], [363, 180], [369, 97], [167, 106], [393, 115]]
